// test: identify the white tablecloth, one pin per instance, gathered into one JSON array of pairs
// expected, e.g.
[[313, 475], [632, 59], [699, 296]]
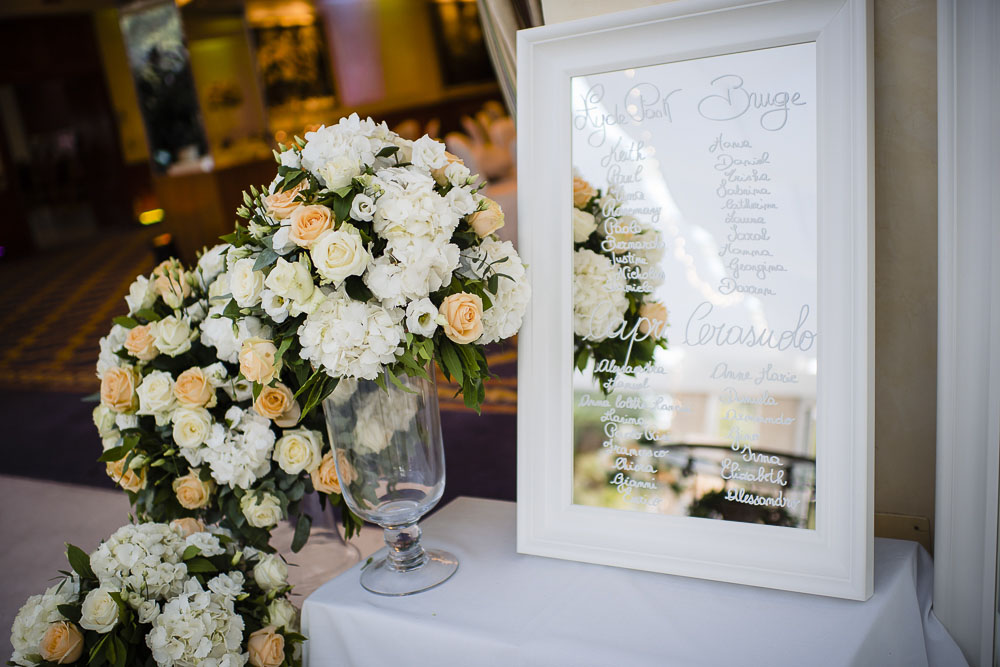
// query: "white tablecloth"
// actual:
[[502, 608]]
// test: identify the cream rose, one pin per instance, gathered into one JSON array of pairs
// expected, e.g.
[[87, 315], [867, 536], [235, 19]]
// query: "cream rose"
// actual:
[[192, 426], [104, 420], [463, 314], [99, 611], [487, 220], [246, 284], [172, 335], [282, 614], [262, 510], [270, 572], [298, 450], [257, 360], [308, 223], [652, 319], [187, 526], [192, 492], [281, 204], [62, 643], [156, 396], [140, 295], [345, 470], [266, 647], [584, 225], [583, 192], [339, 254], [139, 343], [128, 479], [194, 389], [290, 280], [324, 477], [118, 389], [276, 403], [340, 171]]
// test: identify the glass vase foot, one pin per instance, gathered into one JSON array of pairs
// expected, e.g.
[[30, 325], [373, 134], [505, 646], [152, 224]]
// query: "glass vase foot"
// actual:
[[382, 578]]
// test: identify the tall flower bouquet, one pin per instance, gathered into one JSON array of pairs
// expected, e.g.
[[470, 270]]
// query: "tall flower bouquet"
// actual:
[[616, 323], [184, 433], [164, 595], [371, 256]]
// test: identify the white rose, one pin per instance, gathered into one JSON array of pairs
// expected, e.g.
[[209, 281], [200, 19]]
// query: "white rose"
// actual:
[[282, 614], [297, 450], [275, 306], [172, 335], [363, 207], [428, 153], [99, 611], [290, 159], [156, 396], [339, 254], [339, 171], [140, 295], [245, 283], [262, 510], [421, 317], [270, 572], [290, 280], [104, 420], [584, 225], [212, 263], [457, 174], [191, 426]]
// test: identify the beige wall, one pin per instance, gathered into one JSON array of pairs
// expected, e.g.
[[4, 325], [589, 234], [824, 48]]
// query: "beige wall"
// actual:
[[905, 247]]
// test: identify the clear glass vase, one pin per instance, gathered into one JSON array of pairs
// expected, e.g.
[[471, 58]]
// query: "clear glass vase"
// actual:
[[390, 462]]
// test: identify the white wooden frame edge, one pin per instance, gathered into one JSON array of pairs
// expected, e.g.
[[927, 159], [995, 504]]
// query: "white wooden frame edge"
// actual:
[[968, 415], [836, 558]]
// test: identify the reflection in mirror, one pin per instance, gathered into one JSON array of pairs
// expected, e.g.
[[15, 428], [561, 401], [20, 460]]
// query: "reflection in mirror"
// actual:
[[695, 286]]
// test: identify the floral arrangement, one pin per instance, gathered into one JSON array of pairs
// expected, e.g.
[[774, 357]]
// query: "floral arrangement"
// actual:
[[184, 433], [370, 256], [159, 594], [615, 270]]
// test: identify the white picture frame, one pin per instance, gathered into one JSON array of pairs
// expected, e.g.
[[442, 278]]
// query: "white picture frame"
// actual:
[[834, 559]]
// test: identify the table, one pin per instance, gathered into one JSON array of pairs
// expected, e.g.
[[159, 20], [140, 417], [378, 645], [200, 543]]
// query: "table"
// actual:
[[503, 608]]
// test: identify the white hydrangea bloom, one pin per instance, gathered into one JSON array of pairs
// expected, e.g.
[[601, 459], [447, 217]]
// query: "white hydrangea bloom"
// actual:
[[412, 271], [200, 628], [218, 332], [504, 318], [599, 300], [348, 338], [144, 559], [35, 616], [409, 207], [237, 456]]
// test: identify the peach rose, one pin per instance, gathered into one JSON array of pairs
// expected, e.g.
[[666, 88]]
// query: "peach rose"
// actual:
[[192, 492], [128, 479], [347, 471], [266, 647], [486, 221], [308, 222], [583, 192], [325, 476], [188, 526], [62, 643], [281, 204], [194, 390], [653, 318], [139, 343], [257, 360], [118, 389], [276, 403], [438, 173], [463, 314]]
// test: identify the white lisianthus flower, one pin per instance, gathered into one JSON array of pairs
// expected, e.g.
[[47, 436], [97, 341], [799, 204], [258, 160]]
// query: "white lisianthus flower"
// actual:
[[298, 449], [156, 396], [241, 454], [584, 224], [192, 426], [282, 241], [290, 159], [275, 306], [461, 200], [271, 572], [599, 300], [421, 317], [510, 302], [262, 510], [340, 253], [172, 335], [99, 611], [290, 280], [457, 174], [140, 295], [245, 283], [363, 207], [428, 153], [212, 263], [282, 614]]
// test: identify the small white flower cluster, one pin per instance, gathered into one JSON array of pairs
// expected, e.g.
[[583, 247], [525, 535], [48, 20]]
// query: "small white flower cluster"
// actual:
[[240, 452], [200, 627], [143, 561], [599, 301], [34, 618]]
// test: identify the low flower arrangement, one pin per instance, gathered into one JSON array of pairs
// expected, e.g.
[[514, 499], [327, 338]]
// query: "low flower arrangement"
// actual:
[[163, 594], [616, 323], [370, 256], [184, 433]]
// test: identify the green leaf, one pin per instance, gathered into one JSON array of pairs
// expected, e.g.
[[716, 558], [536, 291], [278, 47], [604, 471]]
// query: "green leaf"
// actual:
[[342, 208], [70, 612], [149, 315], [302, 528], [113, 454], [356, 289], [451, 361], [80, 562], [190, 552], [387, 151], [582, 358], [395, 381], [126, 322], [200, 564], [266, 258], [344, 191]]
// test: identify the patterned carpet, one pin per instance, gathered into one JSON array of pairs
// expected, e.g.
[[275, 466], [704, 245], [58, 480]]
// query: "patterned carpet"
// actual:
[[55, 306]]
